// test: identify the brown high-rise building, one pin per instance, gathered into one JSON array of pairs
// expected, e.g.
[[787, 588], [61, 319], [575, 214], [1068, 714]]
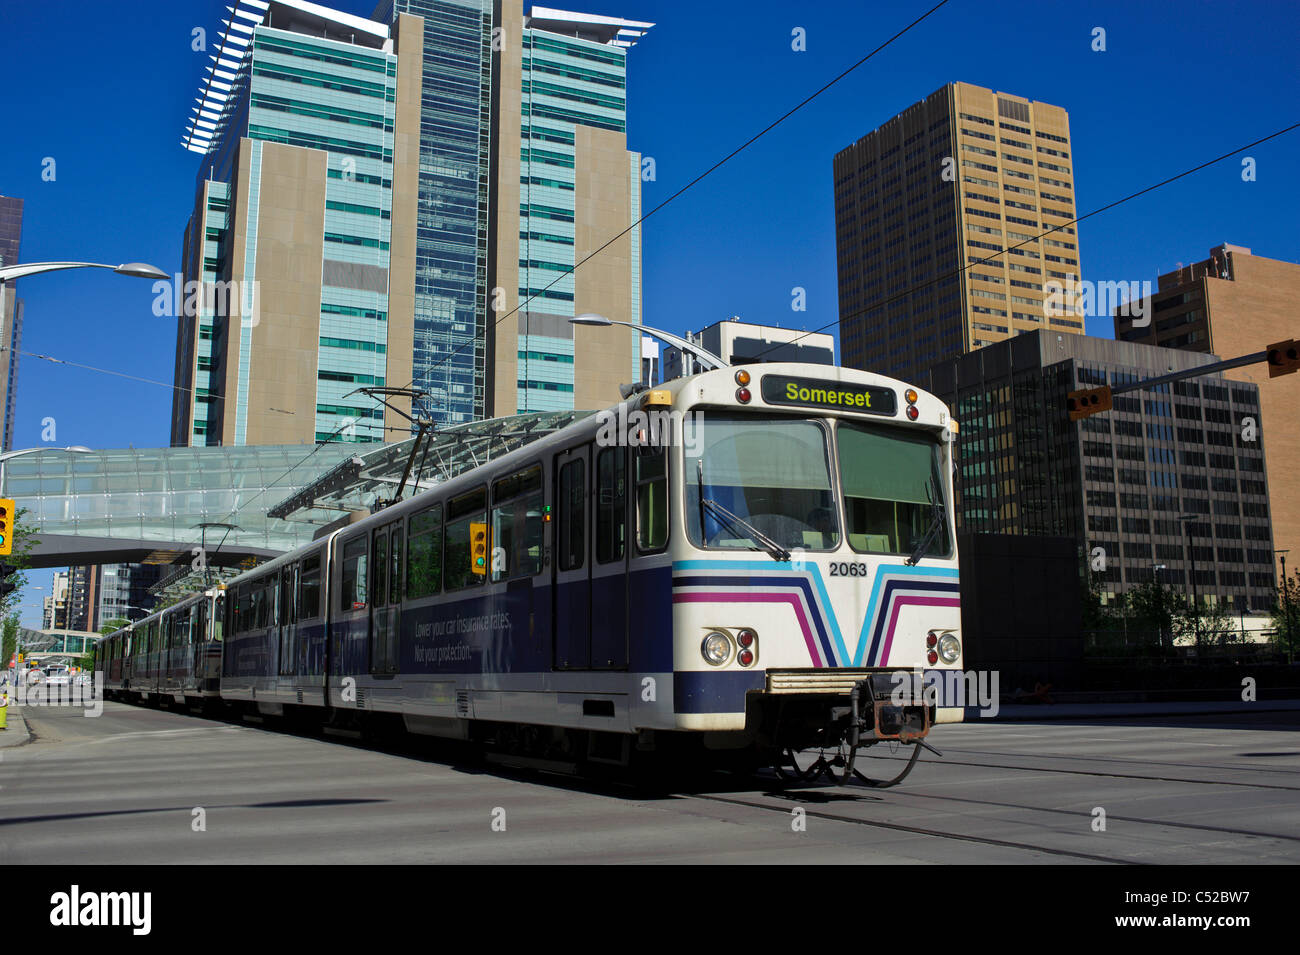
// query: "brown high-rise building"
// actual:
[[1235, 304], [960, 176]]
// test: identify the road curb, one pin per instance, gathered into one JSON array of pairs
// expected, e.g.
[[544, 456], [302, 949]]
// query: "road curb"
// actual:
[[17, 734]]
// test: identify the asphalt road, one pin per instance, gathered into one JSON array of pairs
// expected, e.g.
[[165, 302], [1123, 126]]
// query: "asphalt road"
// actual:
[[133, 786]]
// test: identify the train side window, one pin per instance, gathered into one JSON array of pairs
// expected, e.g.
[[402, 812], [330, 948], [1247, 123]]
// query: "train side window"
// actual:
[[571, 522], [463, 511], [219, 618], [517, 524], [352, 595], [651, 465], [261, 605], [424, 554], [309, 590], [611, 504]]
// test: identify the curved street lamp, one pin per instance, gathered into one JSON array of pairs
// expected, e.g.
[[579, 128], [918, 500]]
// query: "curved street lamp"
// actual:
[[706, 358], [135, 269], [140, 270]]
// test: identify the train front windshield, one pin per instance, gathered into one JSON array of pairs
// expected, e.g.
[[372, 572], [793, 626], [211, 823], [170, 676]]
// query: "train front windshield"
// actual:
[[764, 482], [892, 483], [755, 473]]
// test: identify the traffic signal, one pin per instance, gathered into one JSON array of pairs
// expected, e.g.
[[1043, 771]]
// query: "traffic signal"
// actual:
[[1089, 401], [1283, 358], [6, 525], [478, 548], [6, 588]]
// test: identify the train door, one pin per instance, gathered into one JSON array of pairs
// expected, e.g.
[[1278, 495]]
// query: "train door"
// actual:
[[287, 630], [385, 602], [571, 566], [198, 628], [609, 571]]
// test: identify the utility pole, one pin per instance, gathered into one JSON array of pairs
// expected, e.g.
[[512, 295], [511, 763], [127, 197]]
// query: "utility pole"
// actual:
[[1286, 604], [1160, 606]]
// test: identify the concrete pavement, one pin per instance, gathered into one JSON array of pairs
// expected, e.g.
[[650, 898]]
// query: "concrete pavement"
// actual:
[[140, 785]]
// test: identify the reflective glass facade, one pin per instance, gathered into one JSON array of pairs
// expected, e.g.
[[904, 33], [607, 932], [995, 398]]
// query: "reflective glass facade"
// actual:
[[1120, 480], [449, 357]]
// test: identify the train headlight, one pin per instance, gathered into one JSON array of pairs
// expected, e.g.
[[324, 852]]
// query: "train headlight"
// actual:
[[949, 648], [716, 648]]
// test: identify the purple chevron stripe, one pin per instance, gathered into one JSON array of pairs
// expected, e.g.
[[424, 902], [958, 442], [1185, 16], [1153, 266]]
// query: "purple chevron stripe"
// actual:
[[758, 597], [898, 604]]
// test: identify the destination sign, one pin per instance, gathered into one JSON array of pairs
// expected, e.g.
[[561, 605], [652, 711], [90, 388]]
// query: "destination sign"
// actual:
[[785, 390]]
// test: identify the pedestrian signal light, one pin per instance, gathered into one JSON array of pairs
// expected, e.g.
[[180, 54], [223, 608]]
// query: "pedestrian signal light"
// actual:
[[478, 548], [6, 525], [1283, 358], [1089, 401]]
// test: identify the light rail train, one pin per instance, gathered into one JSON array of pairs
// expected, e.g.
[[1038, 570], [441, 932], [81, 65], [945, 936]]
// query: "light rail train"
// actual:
[[737, 566]]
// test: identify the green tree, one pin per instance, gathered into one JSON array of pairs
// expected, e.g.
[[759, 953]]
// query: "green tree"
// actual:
[[1286, 615], [114, 625], [20, 557], [10, 628], [1151, 608], [1205, 624]]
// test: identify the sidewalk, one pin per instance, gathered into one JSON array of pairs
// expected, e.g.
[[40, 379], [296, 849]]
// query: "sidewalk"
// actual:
[[1043, 712], [17, 734]]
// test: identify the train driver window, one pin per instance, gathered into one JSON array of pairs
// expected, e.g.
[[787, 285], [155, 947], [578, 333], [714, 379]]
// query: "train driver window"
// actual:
[[611, 504], [571, 522], [651, 464], [517, 525], [424, 554], [352, 594]]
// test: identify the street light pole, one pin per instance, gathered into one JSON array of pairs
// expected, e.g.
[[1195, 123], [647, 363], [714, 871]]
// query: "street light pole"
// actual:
[[1286, 604], [1196, 600], [1155, 572]]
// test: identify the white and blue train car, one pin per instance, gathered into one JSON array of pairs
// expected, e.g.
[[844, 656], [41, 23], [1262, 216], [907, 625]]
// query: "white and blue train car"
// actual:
[[723, 560]]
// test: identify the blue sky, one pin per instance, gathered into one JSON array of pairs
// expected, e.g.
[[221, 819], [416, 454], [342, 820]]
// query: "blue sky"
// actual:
[[1176, 85]]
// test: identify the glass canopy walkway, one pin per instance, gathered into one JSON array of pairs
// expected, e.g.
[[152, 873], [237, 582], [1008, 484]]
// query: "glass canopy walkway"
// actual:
[[150, 505]]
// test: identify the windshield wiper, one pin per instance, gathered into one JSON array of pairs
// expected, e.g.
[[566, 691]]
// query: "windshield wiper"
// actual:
[[735, 522], [937, 521]]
